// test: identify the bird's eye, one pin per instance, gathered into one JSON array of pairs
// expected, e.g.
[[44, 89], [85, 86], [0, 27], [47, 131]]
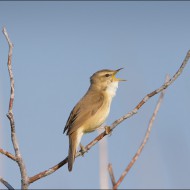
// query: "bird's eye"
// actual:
[[107, 75]]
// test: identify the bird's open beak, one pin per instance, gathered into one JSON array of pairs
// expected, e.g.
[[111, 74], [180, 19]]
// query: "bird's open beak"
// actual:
[[117, 79]]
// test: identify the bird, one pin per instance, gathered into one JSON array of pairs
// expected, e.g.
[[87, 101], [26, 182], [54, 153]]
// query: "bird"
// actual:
[[92, 109]]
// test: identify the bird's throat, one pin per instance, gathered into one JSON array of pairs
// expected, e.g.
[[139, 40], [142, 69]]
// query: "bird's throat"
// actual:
[[111, 89]]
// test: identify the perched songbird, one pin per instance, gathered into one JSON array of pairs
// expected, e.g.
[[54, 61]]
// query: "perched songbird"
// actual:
[[92, 110]]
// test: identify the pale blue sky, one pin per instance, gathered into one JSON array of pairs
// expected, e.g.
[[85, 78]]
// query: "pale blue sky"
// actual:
[[57, 47]]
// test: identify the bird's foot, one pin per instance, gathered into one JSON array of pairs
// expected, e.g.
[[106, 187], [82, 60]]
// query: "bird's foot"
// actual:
[[108, 130], [82, 149]]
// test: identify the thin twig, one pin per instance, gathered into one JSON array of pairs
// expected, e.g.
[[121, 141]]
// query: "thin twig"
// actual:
[[115, 123], [8, 154], [136, 156], [6, 184], [48, 171], [20, 162], [110, 169], [148, 96]]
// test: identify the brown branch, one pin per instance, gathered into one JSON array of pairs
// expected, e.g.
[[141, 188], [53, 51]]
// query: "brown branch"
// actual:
[[148, 96], [20, 162], [136, 156], [48, 171], [6, 184], [110, 169], [115, 123], [8, 154], [63, 162]]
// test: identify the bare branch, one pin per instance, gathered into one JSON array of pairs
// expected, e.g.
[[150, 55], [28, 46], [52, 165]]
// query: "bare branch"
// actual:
[[148, 96], [8, 154], [63, 162], [110, 169], [9, 64], [115, 123], [48, 172], [136, 156], [6, 184], [10, 115]]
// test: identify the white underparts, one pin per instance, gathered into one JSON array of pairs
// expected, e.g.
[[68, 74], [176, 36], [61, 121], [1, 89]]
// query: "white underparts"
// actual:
[[112, 88]]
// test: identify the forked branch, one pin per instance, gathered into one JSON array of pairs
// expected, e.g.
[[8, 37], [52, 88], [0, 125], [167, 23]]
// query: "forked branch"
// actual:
[[18, 157]]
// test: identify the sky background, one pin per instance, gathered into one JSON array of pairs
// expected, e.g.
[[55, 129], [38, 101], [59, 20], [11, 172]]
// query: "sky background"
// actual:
[[57, 47]]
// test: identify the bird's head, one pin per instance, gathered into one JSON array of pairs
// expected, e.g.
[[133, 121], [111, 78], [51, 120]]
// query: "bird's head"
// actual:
[[105, 79]]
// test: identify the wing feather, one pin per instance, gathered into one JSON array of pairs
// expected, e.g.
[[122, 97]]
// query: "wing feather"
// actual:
[[84, 109]]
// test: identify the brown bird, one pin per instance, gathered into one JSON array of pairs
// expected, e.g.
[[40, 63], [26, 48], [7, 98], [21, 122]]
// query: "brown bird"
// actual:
[[92, 110]]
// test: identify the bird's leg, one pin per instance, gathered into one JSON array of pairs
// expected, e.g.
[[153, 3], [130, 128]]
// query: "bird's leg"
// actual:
[[107, 130], [82, 149]]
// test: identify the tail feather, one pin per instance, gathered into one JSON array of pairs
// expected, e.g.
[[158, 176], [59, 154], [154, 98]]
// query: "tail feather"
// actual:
[[74, 140], [72, 151]]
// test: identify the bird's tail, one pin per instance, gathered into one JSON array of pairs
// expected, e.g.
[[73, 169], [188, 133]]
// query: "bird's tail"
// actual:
[[74, 140]]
